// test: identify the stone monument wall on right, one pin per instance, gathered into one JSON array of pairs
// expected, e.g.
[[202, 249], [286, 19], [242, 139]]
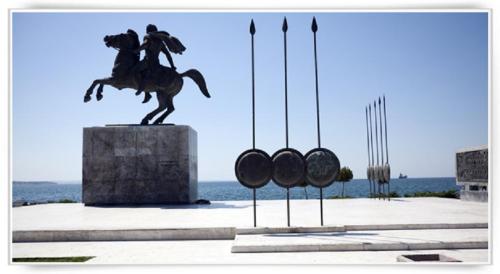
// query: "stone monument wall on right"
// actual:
[[472, 173]]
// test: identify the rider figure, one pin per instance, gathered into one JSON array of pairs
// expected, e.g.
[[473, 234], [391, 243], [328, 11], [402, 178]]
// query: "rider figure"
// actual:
[[154, 43]]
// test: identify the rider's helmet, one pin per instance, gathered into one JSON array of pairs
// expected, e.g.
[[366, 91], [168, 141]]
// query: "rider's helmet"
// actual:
[[151, 28]]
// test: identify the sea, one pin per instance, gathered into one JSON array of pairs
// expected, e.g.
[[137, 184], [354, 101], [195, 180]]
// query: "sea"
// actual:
[[40, 192]]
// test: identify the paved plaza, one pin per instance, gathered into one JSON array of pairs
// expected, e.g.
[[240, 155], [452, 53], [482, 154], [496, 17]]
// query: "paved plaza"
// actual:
[[216, 252], [239, 214], [355, 231]]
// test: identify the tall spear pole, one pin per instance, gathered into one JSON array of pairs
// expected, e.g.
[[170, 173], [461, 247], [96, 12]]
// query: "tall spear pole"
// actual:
[[381, 145], [368, 149], [381, 138], [386, 148], [376, 145], [371, 142], [252, 33], [314, 28], [387, 152], [284, 28]]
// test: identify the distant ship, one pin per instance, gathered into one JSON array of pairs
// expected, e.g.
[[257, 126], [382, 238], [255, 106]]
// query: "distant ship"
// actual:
[[401, 176]]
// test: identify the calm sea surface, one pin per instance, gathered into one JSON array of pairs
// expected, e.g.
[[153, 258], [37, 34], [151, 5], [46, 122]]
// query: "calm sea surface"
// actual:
[[220, 191]]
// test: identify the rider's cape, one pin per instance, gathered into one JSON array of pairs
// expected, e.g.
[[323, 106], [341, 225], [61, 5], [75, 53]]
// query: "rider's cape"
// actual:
[[173, 44]]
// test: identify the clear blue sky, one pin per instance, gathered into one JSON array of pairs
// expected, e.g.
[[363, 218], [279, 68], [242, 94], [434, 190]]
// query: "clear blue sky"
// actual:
[[432, 67]]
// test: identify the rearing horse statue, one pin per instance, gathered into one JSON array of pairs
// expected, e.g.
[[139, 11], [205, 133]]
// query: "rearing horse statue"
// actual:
[[165, 81]]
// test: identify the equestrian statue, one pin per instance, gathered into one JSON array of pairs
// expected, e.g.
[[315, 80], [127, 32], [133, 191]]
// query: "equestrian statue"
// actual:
[[147, 75]]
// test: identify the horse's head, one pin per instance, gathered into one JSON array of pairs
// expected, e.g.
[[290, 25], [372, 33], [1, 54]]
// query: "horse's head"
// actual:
[[123, 41]]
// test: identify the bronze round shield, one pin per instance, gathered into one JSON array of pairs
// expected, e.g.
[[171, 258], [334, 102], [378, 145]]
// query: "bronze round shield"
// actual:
[[322, 167], [386, 171], [379, 174], [253, 168], [372, 174], [289, 167]]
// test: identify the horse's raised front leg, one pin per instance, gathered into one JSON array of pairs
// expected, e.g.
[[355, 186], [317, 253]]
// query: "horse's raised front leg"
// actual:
[[104, 81], [162, 105], [170, 109]]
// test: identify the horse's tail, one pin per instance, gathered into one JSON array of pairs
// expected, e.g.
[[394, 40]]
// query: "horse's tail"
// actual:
[[198, 79]]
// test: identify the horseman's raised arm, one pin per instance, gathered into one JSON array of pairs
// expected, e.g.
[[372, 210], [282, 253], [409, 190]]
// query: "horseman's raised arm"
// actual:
[[144, 44], [168, 55]]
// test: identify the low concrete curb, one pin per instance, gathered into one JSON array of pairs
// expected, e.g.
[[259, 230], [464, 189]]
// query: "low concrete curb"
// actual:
[[218, 233], [214, 233], [274, 230], [358, 247], [345, 228], [415, 226]]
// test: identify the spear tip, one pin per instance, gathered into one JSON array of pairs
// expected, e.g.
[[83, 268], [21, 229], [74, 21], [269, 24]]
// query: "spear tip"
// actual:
[[314, 26], [285, 25], [379, 101], [252, 28]]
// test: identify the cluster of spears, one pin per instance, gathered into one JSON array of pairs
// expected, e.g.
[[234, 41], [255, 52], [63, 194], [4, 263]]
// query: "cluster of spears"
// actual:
[[379, 173], [287, 167]]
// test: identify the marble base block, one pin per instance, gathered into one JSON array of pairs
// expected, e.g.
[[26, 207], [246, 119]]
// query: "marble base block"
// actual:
[[139, 165]]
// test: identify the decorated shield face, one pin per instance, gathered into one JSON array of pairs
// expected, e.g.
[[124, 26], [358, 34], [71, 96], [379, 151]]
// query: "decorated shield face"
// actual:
[[322, 167]]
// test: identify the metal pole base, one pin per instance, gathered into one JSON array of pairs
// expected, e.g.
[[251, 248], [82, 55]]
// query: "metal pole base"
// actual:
[[288, 205], [254, 209], [321, 204]]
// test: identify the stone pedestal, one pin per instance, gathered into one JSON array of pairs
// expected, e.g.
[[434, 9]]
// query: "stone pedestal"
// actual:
[[139, 165]]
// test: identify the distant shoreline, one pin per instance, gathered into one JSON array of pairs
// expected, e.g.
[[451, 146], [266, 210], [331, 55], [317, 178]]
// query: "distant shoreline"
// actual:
[[34, 183]]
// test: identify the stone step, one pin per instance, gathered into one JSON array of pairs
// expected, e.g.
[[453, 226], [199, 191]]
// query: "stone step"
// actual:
[[205, 233], [344, 228], [216, 233], [369, 240]]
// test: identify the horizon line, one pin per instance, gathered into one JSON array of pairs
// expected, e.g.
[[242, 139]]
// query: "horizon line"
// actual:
[[211, 181]]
